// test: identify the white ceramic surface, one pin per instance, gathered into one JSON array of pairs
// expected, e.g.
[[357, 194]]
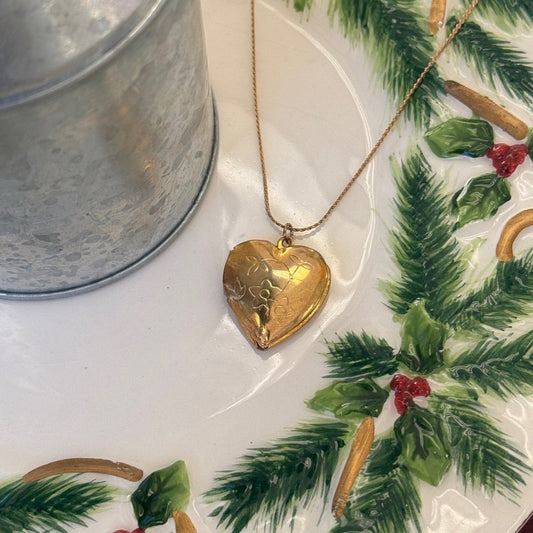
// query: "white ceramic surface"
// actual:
[[153, 368]]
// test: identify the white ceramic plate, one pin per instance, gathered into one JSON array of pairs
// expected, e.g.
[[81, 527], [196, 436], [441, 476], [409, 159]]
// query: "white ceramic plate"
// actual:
[[154, 368]]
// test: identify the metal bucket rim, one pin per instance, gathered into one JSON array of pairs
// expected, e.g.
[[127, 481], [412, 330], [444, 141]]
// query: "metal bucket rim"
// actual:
[[71, 77]]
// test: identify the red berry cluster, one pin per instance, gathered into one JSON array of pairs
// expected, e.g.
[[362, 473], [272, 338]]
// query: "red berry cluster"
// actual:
[[506, 158], [406, 389], [136, 530]]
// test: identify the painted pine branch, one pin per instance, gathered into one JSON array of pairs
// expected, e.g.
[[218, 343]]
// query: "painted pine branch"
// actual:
[[51, 504], [423, 247], [510, 12], [302, 5], [495, 61], [395, 38], [484, 459], [504, 367], [272, 481], [505, 296], [385, 497], [357, 356]]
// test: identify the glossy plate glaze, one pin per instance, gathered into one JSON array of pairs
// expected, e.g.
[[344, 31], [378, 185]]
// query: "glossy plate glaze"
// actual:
[[153, 369]]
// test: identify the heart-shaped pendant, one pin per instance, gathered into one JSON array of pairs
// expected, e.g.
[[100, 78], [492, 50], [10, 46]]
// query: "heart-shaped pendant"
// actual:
[[274, 290]]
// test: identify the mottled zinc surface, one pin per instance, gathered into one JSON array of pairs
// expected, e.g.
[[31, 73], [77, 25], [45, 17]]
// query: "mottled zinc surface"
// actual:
[[97, 174]]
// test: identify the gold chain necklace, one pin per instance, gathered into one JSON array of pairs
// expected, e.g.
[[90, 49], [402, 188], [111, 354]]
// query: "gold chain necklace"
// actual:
[[274, 290]]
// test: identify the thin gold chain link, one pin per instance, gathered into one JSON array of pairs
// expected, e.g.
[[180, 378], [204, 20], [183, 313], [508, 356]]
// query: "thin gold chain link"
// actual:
[[372, 151]]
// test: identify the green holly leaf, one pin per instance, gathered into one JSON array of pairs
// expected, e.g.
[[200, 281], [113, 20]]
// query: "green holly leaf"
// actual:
[[425, 446], [422, 340], [350, 401], [460, 136], [480, 198], [160, 494], [529, 142]]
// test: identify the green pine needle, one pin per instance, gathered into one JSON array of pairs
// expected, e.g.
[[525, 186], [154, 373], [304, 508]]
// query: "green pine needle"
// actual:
[[385, 497], [50, 504], [484, 458], [423, 246], [504, 367], [395, 34], [400, 47], [272, 481], [496, 62], [505, 296], [360, 356], [302, 5], [512, 12]]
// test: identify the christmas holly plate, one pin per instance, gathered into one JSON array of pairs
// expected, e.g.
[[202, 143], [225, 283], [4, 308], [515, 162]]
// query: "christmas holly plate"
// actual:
[[406, 403]]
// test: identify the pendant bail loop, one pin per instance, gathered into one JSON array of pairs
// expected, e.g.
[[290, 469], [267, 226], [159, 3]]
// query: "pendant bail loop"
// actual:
[[287, 238]]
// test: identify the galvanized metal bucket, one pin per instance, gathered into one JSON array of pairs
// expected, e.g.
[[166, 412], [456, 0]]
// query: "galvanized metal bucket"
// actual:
[[107, 137]]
